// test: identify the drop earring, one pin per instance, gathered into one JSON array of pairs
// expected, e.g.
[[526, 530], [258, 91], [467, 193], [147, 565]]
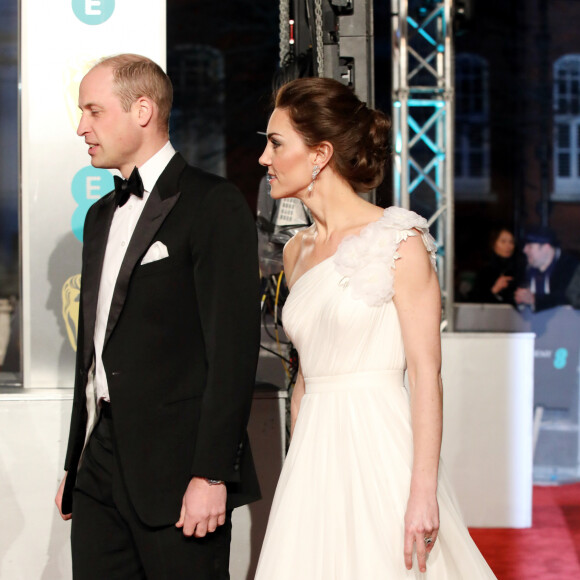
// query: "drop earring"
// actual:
[[315, 172]]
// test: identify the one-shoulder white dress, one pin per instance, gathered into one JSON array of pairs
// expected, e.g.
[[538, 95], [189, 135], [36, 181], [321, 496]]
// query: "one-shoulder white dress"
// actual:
[[339, 508]]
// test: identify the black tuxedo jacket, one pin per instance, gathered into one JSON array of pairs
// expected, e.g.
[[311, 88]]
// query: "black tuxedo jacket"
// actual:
[[181, 343]]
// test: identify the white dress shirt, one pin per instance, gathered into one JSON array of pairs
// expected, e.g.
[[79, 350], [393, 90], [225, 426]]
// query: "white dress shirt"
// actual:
[[122, 228]]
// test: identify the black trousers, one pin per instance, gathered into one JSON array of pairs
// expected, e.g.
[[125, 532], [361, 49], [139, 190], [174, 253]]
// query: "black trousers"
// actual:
[[109, 542]]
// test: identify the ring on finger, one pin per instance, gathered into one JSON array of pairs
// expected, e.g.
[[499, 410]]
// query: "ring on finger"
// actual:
[[428, 540]]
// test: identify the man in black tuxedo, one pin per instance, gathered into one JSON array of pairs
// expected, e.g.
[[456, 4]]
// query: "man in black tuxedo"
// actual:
[[168, 341]]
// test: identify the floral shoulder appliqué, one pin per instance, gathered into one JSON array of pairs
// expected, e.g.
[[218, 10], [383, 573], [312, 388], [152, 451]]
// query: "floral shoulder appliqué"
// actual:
[[366, 261]]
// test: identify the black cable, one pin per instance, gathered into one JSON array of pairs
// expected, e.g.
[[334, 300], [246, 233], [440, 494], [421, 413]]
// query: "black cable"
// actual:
[[265, 325]]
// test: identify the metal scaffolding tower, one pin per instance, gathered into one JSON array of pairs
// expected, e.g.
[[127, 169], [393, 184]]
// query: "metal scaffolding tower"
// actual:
[[423, 127]]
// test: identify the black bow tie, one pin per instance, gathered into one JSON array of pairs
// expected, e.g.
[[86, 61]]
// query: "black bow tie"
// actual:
[[125, 187]]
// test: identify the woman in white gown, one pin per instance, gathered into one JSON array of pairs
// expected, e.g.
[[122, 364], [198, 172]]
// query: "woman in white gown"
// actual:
[[362, 495]]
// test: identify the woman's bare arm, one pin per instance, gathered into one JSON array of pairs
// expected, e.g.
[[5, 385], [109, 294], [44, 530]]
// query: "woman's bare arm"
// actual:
[[418, 302]]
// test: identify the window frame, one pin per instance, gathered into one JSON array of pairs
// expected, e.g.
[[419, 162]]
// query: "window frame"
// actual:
[[467, 185], [566, 69]]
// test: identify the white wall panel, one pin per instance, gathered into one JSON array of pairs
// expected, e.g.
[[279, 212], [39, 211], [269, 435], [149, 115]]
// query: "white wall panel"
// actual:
[[59, 42]]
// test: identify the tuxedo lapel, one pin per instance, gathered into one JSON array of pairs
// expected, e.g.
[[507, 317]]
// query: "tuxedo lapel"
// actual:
[[95, 246], [161, 201]]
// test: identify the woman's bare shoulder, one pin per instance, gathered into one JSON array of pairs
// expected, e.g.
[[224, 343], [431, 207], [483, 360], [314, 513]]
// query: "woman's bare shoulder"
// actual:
[[293, 248]]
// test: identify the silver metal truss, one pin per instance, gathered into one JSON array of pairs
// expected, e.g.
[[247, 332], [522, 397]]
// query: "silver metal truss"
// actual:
[[423, 124]]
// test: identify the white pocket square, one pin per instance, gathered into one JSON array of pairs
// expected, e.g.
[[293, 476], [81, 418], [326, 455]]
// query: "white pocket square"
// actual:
[[157, 251]]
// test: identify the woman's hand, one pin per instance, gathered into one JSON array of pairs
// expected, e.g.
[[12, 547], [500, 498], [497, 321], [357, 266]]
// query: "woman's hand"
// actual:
[[421, 524], [501, 284]]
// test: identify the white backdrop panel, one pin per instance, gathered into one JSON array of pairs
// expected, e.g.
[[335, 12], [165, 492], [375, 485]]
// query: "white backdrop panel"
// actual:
[[59, 42]]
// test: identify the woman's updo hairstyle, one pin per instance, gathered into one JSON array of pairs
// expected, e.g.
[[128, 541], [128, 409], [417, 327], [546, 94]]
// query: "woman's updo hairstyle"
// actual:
[[322, 109]]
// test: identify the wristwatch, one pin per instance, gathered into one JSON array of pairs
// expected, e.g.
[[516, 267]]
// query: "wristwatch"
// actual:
[[213, 481]]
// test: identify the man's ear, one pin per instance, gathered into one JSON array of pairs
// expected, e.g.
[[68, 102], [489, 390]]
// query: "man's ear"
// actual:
[[143, 108], [322, 154]]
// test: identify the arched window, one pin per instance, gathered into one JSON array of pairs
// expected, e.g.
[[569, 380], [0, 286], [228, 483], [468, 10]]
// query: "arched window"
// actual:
[[567, 127], [472, 167]]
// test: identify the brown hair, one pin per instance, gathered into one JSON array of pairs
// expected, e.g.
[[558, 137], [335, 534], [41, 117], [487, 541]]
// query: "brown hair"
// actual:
[[136, 76], [496, 233], [322, 109]]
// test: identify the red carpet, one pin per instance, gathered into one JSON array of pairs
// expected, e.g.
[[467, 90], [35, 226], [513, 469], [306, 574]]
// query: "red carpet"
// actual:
[[549, 550]]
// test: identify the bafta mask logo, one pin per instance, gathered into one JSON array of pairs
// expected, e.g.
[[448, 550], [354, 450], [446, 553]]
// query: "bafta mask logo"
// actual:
[[93, 12], [71, 294]]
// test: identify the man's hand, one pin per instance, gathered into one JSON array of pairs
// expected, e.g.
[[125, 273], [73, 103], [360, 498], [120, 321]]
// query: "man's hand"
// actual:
[[524, 296], [58, 499], [203, 508]]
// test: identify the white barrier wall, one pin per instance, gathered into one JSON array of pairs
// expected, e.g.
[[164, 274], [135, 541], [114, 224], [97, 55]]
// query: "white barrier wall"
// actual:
[[59, 42], [488, 386], [34, 541]]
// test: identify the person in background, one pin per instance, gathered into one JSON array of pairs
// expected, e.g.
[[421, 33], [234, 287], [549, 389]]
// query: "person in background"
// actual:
[[548, 273], [496, 282]]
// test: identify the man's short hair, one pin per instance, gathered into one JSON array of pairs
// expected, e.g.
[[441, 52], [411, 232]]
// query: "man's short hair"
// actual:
[[136, 76], [541, 235]]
